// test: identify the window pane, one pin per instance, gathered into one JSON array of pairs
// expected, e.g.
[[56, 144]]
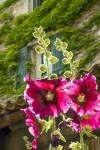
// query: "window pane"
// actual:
[[58, 67]]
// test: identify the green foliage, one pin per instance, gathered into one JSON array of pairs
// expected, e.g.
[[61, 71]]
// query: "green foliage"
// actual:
[[6, 4], [6, 17]]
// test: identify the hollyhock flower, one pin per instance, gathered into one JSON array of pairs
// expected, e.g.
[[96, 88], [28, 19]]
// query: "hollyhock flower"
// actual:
[[91, 120], [46, 97], [85, 100], [87, 120], [34, 127]]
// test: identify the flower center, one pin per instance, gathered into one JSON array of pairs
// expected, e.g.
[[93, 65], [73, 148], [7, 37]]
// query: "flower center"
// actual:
[[86, 116], [81, 99], [50, 96]]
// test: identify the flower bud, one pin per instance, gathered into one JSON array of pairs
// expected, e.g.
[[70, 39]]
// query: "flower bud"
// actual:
[[39, 49], [76, 64], [67, 74], [68, 54], [48, 54], [53, 60], [66, 61], [43, 68]]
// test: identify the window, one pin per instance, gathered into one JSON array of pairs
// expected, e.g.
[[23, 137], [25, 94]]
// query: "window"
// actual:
[[58, 67], [24, 58], [36, 3]]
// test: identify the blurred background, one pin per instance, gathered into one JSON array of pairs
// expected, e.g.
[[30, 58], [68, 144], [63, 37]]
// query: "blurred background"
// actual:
[[75, 21]]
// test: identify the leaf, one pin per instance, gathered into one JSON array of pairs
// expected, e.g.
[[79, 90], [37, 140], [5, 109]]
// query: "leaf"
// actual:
[[59, 147], [47, 125], [61, 137]]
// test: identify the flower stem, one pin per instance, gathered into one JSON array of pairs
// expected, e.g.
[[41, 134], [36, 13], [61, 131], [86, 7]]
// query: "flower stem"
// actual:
[[82, 140], [48, 72]]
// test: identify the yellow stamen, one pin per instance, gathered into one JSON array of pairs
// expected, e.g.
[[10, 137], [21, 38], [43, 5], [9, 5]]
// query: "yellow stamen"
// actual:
[[81, 98], [86, 116], [50, 96]]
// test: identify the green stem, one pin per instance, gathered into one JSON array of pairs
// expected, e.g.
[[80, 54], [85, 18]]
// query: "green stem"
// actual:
[[82, 140], [48, 72]]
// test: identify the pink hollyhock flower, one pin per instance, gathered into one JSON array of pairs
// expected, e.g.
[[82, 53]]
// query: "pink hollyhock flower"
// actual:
[[46, 97], [85, 100], [87, 120], [91, 120], [34, 127]]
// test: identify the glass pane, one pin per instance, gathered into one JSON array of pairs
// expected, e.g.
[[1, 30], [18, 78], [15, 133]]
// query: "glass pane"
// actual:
[[22, 70], [58, 67]]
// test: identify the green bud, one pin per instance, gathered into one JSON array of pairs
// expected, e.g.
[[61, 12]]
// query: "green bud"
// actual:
[[76, 64], [66, 61], [67, 74], [75, 146], [41, 41], [58, 43], [54, 76], [43, 68], [48, 54], [39, 49], [68, 54], [47, 42], [39, 33], [59, 147], [53, 59], [60, 46], [64, 45], [39, 29]]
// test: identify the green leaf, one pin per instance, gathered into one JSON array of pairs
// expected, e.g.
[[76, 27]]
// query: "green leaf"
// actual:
[[59, 147], [47, 125], [57, 132], [75, 146]]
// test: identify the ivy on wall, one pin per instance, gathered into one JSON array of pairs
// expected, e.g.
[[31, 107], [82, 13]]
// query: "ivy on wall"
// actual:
[[6, 4]]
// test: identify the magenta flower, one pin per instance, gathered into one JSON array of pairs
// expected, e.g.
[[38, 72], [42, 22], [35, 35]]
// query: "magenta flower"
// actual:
[[46, 97], [85, 100], [91, 120], [80, 123], [34, 127]]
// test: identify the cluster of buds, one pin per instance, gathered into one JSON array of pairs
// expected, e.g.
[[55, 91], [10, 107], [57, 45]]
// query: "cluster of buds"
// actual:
[[43, 48]]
